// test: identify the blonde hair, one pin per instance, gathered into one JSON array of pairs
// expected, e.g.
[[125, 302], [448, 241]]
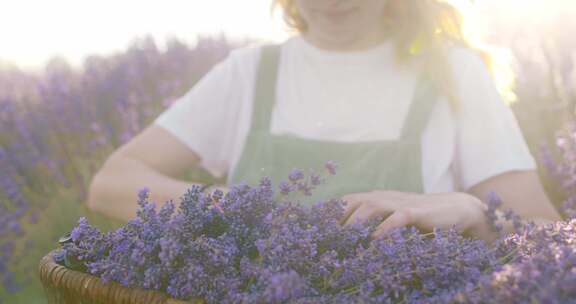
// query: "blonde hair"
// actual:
[[427, 27]]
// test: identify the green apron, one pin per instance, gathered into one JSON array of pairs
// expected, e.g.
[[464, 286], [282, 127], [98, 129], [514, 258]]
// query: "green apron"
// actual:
[[361, 166]]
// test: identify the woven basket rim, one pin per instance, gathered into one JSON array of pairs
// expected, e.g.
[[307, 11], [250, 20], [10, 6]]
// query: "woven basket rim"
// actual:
[[56, 278]]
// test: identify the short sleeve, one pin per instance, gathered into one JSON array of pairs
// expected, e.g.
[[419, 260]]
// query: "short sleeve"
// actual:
[[488, 139], [203, 118]]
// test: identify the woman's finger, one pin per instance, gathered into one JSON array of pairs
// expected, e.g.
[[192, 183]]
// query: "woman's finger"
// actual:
[[364, 212], [399, 218], [352, 203], [355, 215]]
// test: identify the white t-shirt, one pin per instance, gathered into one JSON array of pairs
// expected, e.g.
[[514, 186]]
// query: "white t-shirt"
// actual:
[[353, 96]]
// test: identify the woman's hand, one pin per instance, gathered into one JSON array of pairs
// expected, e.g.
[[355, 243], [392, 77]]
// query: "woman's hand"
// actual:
[[425, 211]]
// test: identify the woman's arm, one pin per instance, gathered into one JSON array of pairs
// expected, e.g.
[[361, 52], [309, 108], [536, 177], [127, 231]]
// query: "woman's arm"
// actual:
[[154, 158], [520, 191]]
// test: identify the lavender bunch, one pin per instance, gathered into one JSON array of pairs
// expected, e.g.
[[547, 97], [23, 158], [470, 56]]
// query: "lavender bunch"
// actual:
[[58, 125], [541, 268], [247, 247]]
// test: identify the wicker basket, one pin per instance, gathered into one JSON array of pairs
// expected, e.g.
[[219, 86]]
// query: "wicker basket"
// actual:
[[66, 286]]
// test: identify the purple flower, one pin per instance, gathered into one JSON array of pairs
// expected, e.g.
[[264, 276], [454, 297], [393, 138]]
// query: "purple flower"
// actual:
[[143, 194], [296, 175], [285, 286], [285, 188], [315, 179], [305, 188], [331, 167]]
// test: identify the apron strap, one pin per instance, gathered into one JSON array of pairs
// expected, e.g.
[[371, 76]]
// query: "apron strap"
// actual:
[[265, 90]]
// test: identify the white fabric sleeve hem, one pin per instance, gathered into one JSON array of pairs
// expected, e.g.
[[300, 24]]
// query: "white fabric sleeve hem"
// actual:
[[204, 117], [497, 167], [215, 168]]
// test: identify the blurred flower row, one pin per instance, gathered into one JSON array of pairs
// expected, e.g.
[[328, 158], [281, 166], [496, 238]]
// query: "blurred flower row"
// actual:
[[57, 127]]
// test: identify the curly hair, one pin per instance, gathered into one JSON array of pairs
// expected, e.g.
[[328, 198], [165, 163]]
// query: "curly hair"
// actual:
[[427, 27]]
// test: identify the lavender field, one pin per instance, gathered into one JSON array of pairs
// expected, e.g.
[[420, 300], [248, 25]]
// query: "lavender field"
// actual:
[[57, 127]]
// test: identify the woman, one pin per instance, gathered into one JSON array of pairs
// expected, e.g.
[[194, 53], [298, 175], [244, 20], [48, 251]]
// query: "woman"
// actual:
[[388, 89]]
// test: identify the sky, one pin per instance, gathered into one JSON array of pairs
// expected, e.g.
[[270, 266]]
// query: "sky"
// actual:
[[32, 31]]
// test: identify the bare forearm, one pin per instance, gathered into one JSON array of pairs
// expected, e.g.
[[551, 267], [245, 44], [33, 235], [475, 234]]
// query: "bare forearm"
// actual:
[[114, 189], [521, 192], [484, 231]]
